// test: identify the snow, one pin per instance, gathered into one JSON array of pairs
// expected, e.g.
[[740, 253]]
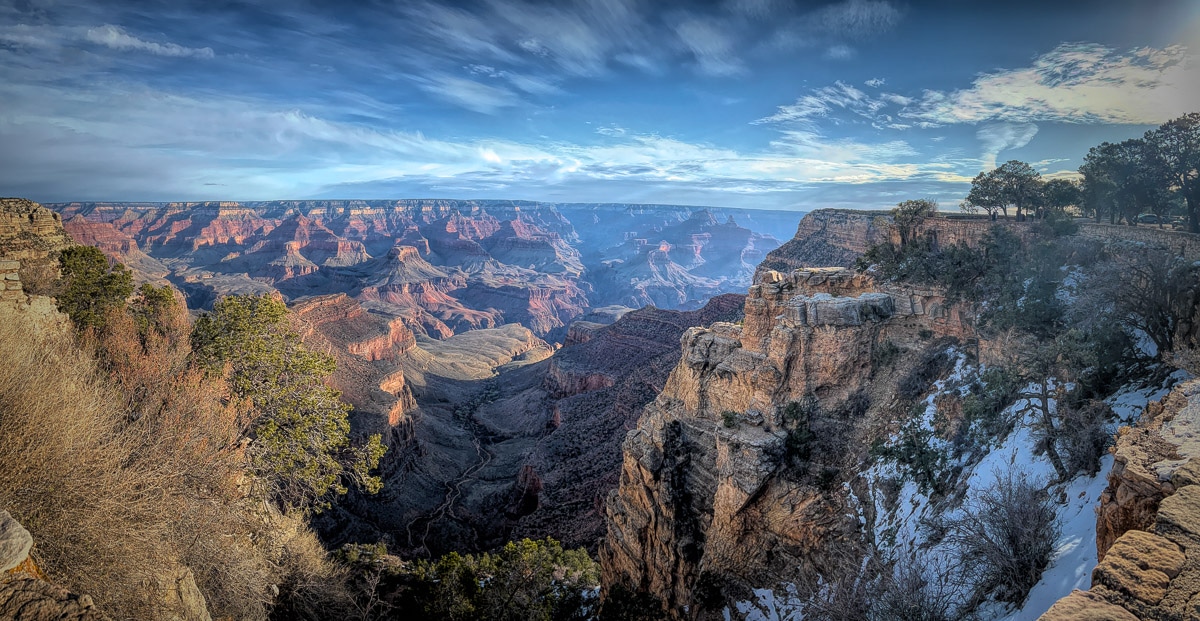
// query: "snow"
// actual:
[[1068, 290], [1075, 553], [1076, 547], [770, 607], [902, 532]]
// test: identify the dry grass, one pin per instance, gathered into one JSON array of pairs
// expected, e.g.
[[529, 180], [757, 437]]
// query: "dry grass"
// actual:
[[123, 477]]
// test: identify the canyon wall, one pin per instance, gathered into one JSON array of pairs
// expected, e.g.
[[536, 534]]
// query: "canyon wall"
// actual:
[[447, 266], [837, 237], [707, 505], [366, 348], [1148, 521]]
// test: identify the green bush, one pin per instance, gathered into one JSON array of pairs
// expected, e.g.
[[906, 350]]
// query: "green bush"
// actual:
[[91, 287], [729, 419], [301, 446], [915, 451], [995, 390], [523, 580]]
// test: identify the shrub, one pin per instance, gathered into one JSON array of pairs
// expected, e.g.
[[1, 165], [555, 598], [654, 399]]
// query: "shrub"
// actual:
[[916, 453], [871, 591], [911, 593], [40, 277], [523, 580], [114, 502], [995, 390], [91, 288], [1083, 435], [729, 419], [1006, 536]]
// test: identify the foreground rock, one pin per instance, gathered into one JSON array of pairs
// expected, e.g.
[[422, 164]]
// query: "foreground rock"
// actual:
[[706, 505], [25, 594], [1148, 523]]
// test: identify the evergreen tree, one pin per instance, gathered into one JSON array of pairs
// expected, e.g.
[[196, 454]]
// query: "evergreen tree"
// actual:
[[300, 433], [92, 287]]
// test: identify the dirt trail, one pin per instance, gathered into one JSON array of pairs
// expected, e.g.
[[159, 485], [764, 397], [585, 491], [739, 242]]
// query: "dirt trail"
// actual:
[[445, 510]]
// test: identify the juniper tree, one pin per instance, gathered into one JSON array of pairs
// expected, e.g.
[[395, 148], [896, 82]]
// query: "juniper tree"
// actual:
[[300, 432], [92, 287]]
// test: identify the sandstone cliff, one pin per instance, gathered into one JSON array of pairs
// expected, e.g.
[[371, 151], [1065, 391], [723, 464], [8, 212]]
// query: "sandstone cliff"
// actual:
[[366, 347], [1148, 521], [827, 238], [706, 504]]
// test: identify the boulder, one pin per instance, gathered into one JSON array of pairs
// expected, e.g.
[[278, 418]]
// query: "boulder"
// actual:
[[1141, 565], [1085, 606], [15, 542]]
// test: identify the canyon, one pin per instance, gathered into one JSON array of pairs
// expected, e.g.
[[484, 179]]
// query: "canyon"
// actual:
[[445, 266], [706, 410], [497, 346]]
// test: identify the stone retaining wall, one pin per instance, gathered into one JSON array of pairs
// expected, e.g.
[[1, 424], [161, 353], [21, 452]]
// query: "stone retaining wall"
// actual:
[[11, 279]]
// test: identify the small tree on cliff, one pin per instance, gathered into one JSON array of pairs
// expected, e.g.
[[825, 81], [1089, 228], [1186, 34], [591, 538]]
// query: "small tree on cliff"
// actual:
[[910, 215], [300, 432], [92, 287]]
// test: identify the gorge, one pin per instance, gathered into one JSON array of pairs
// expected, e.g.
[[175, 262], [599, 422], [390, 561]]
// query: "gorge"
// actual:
[[725, 460]]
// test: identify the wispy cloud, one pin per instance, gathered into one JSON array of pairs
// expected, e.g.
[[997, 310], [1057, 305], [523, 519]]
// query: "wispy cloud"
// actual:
[[998, 137], [107, 35], [1076, 83], [840, 52], [824, 102], [200, 149], [469, 94], [857, 18], [117, 38], [711, 47]]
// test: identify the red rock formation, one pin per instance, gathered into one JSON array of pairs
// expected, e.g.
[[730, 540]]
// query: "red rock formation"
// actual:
[[102, 235], [397, 342], [366, 347]]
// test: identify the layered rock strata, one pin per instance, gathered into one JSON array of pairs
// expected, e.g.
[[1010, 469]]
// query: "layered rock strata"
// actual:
[[705, 503], [1148, 521], [368, 349]]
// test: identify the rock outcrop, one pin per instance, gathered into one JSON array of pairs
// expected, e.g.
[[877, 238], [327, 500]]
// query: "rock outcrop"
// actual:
[[25, 593], [1148, 521], [705, 501], [368, 348], [31, 238], [829, 238]]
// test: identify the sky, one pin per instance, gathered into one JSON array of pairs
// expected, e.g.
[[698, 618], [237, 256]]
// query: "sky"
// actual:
[[742, 103]]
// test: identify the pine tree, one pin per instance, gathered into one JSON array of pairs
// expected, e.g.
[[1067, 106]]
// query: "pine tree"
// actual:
[[300, 434]]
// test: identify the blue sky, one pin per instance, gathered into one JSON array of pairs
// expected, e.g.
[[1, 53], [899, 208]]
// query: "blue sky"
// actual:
[[741, 103]]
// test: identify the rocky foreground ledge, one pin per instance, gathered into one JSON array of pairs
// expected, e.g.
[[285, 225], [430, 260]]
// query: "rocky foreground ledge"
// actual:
[[1148, 522], [25, 594]]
